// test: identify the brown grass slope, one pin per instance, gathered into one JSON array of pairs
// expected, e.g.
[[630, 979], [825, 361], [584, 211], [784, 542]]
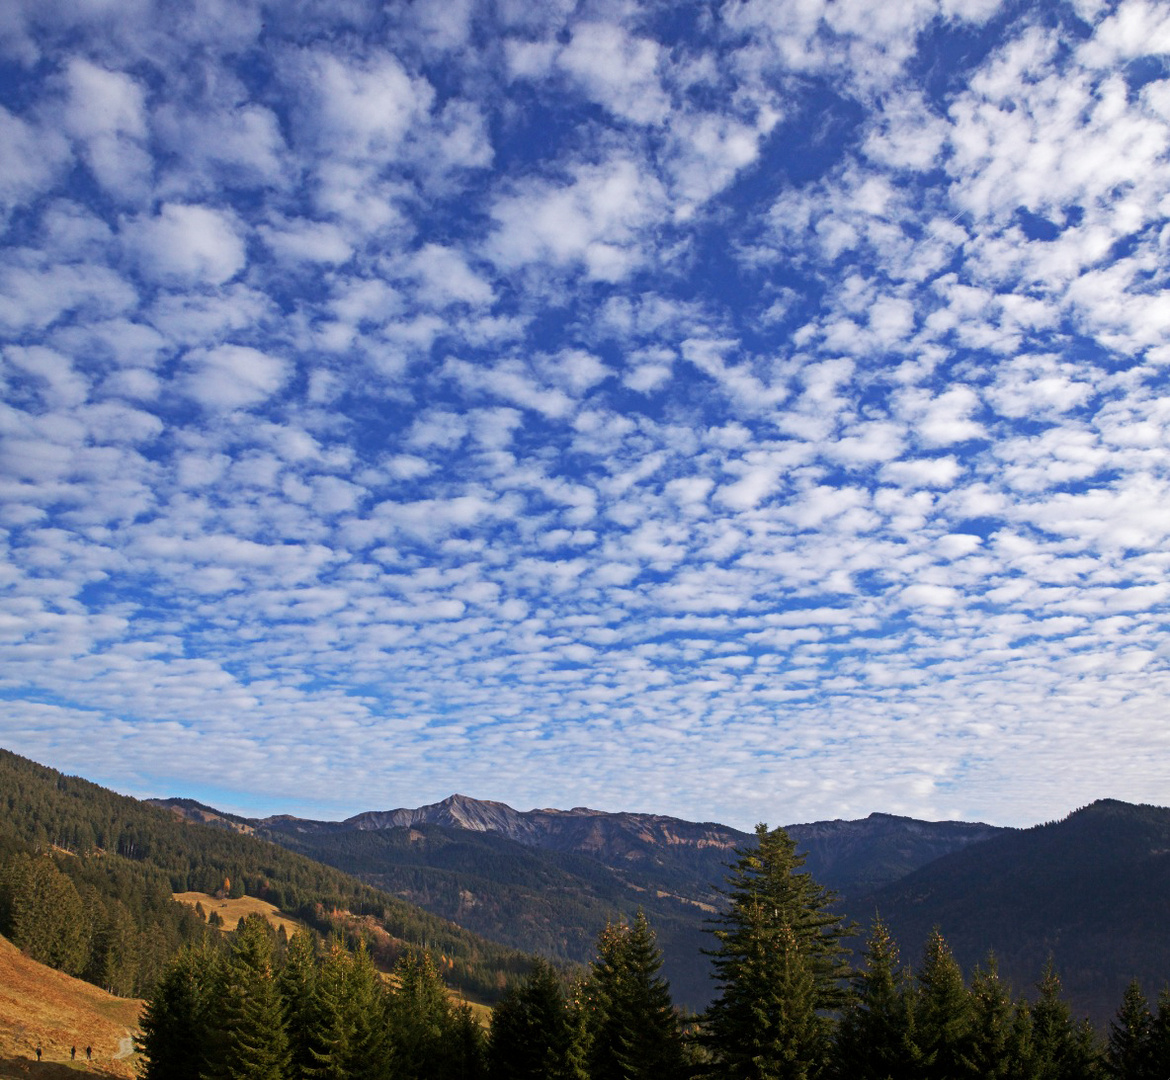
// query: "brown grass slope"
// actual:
[[40, 1006]]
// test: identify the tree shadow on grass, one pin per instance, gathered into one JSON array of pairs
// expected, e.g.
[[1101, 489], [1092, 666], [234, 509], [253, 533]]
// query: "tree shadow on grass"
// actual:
[[23, 1068]]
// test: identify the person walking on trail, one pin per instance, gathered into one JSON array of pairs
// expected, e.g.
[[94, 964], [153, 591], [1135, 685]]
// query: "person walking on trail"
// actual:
[[38, 1051], [88, 1053], [73, 1053]]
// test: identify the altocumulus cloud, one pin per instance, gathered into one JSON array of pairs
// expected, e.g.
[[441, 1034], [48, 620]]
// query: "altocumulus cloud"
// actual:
[[750, 413]]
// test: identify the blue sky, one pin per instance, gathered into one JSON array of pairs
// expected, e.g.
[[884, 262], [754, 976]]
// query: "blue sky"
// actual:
[[743, 411]]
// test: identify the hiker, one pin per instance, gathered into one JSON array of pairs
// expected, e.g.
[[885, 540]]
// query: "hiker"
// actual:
[[38, 1051], [88, 1052], [73, 1053]]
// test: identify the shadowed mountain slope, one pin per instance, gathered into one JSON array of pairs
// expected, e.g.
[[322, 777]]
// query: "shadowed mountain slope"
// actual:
[[1092, 891]]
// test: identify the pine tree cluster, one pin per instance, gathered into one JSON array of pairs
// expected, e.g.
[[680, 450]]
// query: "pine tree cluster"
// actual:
[[268, 1008]]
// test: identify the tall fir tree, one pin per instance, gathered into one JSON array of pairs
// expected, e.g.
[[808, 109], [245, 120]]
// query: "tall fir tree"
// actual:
[[875, 1037], [113, 957], [533, 1032], [632, 1028], [297, 983], [251, 1042], [349, 1040], [420, 1021], [780, 964], [1061, 1048], [466, 1045], [1160, 1035], [1128, 1054], [176, 1025], [943, 1013], [46, 917], [371, 1057], [1000, 1044]]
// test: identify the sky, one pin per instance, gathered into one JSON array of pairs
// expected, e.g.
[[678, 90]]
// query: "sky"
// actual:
[[745, 411]]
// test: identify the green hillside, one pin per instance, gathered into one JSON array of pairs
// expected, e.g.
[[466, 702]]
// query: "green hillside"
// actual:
[[87, 878], [551, 902], [1090, 891]]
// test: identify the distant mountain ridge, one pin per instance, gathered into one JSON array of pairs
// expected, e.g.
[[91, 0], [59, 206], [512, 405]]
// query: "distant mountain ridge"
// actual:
[[842, 854], [863, 854], [1090, 890], [578, 829], [547, 880]]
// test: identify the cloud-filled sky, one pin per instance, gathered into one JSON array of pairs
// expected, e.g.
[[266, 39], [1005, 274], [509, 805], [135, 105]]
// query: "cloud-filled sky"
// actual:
[[747, 410]]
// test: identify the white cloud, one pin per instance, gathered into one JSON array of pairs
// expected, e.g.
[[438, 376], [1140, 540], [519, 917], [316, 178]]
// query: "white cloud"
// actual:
[[233, 144], [595, 218], [32, 157], [1135, 28], [233, 376], [939, 472], [63, 385], [301, 240], [358, 109], [191, 245], [617, 70], [907, 135], [942, 419], [106, 112], [444, 277], [36, 296]]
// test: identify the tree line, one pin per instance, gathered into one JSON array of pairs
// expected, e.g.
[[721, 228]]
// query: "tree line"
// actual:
[[791, 1005]]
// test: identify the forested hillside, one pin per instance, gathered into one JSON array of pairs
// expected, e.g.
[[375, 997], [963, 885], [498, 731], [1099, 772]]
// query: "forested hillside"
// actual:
[[87, 876], [551, 902], [791, 1004], [547, 880], [1090, 891]]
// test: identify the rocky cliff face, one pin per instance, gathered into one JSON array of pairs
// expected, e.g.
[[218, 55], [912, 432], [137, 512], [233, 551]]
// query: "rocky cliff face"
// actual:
[[593, 832]]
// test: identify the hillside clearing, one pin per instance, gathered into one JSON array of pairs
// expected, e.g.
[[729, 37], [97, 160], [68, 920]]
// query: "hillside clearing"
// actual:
[[40, 1006], [232, 911]]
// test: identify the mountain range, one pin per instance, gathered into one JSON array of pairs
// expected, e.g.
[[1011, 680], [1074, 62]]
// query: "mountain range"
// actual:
[[546, 880], [483, 883], [1089, 891]]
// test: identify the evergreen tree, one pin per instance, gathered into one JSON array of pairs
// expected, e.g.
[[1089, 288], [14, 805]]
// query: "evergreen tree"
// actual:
[[175, 1023], [943, 1013], [1160, 1036], [367, 1001], [1000, 1043], [46, 917], [533, 1031], [297, 983], [347, 1020], [1128, 1055], [780, 965], [251, 1042], [419, 1018], [467, 1045], [875, 1038], [1061, 1048], [113, 960], [631, 1026]]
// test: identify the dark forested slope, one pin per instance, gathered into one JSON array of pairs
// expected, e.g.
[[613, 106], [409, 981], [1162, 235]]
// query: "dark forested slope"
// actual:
[[1092, 891], [125, 858]]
